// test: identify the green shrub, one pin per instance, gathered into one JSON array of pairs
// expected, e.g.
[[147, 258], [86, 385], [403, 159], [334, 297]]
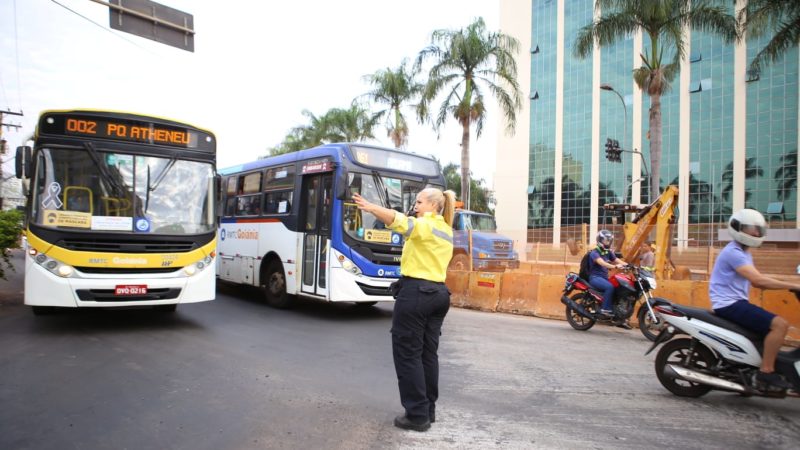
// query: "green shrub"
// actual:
[[10, 229]]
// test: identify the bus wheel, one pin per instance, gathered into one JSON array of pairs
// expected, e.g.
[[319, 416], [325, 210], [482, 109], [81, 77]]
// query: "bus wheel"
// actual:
[[274, 283]]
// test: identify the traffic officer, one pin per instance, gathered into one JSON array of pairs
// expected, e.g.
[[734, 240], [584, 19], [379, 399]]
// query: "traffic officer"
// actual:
[[421, 300]]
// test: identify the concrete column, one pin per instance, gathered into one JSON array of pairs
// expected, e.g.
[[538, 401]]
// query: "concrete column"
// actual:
[[739, 116], [684, 140], [559, 150], [594, 181], [512, 154]]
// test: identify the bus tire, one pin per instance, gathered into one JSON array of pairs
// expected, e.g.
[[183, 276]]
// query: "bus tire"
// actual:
[[274, 284]]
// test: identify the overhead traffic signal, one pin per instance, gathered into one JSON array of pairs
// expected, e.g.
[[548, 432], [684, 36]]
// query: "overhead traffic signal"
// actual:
[[613, 152]]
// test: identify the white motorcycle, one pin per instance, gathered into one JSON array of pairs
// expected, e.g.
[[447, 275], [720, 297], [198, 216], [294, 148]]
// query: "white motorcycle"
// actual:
[[716, 355]]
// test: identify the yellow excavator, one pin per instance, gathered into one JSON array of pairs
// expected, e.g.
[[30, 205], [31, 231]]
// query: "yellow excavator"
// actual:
[[659, 214]]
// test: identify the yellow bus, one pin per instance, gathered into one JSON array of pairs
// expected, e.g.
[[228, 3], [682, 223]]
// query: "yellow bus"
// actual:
[[120, 211]]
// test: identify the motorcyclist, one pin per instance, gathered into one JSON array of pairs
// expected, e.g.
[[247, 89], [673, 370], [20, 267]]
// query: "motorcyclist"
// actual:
[[729, 290], [601, 259]]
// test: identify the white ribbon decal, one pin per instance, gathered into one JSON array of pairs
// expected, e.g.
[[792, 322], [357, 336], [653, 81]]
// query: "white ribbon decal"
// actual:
[[52, 201]]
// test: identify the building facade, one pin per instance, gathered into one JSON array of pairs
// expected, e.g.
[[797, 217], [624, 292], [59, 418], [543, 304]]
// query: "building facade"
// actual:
[[730, 139]]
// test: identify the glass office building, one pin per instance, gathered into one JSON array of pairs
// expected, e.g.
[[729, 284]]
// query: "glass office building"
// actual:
[[730, 138]]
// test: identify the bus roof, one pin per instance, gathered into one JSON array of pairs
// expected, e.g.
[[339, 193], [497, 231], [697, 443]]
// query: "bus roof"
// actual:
[[335, 150]]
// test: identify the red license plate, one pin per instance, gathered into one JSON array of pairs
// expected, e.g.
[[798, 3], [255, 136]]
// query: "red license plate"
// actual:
[[130, 289]]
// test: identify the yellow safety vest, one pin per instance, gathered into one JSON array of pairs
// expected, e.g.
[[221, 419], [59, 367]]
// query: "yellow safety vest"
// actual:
[[428, 245]]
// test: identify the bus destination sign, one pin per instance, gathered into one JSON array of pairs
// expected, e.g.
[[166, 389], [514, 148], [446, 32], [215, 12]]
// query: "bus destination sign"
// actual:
[[141, 131]]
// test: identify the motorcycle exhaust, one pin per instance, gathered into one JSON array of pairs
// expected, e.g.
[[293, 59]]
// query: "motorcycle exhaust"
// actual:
[[576, 307], [683, 373]]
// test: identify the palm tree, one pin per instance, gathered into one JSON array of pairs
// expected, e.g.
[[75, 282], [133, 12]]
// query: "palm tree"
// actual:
[[779, 16], [662, 21], [394, 88], [465, 61], [353, 124], [751, 170], [786, 175]]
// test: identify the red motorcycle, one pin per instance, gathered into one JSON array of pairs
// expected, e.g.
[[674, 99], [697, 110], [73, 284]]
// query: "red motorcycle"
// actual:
[[631, 285]]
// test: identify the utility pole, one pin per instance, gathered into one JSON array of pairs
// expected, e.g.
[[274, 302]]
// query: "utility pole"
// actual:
[[3, 145]]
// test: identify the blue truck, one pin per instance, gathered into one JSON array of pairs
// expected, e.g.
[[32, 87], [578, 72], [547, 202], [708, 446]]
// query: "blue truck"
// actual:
[[490, 251]]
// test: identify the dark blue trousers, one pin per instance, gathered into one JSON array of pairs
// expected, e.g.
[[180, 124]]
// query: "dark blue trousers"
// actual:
[[419, 310]]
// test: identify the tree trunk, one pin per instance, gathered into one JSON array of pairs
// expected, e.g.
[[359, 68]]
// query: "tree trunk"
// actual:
[[465, 165], [655, 146]]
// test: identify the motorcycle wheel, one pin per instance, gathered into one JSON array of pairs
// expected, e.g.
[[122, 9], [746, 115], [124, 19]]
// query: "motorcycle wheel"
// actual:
[[649, 328], [576, 320], [677, 352]]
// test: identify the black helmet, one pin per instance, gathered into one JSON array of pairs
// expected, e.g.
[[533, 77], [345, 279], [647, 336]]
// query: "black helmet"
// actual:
[[605, 238]]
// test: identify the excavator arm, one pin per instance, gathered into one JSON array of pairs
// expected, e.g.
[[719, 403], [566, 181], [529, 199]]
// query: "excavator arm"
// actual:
[[659, 214]]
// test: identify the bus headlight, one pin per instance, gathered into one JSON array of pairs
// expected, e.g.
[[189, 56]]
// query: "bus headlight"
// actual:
[[54, 266], [346, 263], [192, 269]]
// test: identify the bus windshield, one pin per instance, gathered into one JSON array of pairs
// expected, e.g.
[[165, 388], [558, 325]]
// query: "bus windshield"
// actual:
[[115, 192], [388, 190]]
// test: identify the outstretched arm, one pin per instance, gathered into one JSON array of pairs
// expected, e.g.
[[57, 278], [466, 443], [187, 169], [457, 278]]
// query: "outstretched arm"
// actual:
[[385, 215], [759, 280]]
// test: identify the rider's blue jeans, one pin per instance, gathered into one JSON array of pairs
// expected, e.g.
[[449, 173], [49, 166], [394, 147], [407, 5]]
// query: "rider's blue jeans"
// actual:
[[605, 286]]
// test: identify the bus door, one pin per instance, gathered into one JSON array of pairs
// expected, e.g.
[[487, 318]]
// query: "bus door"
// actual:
[[316, 201]]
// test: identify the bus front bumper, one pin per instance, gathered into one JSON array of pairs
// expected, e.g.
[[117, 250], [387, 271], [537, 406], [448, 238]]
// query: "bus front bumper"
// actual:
[[43, 288]]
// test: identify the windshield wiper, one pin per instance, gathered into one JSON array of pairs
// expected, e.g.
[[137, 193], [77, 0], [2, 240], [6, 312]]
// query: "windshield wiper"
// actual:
[[383, 193], [158, 181], [103, 169]]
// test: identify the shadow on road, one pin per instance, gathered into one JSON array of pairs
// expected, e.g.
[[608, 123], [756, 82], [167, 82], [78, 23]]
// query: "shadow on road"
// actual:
[[92, 320], [340, 311]]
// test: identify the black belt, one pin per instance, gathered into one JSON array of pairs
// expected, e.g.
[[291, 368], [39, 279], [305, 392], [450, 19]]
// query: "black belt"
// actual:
[[420, 279]]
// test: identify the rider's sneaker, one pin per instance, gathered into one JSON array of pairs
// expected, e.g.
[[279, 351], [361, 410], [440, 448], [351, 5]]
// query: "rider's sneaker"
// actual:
[[605, 314], [623, 324], [773, 380]]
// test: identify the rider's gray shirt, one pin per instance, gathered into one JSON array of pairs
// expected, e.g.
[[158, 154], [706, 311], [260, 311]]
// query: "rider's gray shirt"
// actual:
[[726, 285]]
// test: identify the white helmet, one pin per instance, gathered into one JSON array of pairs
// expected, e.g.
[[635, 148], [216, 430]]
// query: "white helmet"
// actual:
[[748, 227]]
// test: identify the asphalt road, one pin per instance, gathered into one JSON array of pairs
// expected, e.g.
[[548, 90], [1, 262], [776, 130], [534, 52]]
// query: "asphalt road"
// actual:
[[236, 374]]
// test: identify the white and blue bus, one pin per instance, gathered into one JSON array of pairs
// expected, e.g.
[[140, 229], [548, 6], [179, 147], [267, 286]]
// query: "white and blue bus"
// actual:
[[288, 223]]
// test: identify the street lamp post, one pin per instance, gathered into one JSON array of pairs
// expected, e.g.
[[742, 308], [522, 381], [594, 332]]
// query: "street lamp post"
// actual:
[[608, 87]]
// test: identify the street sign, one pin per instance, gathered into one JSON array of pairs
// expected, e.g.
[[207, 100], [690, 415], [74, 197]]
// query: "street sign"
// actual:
[[153, 21]]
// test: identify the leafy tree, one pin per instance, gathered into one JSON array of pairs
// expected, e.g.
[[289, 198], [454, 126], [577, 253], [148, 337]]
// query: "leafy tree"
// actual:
[[782, 18], [394, 88], [662, 21], [10, 228], [481, 201], [466, 63]]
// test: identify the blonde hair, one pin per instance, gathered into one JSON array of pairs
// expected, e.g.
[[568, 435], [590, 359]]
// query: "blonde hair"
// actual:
[[445, 202]]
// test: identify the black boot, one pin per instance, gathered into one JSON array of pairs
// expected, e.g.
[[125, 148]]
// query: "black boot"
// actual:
[[406, 424]]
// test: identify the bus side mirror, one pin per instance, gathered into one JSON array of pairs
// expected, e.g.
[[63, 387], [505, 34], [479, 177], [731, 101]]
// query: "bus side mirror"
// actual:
[[22, 163], [342, 190]]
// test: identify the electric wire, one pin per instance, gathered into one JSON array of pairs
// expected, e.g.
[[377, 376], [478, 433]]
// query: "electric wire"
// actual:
[[101, 26]]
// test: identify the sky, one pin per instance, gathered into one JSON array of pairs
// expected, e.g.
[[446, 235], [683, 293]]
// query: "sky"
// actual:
[[256, 66]]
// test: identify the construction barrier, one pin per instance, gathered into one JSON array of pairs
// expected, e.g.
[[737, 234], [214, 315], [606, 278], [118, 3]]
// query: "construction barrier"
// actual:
[[536, 291]]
